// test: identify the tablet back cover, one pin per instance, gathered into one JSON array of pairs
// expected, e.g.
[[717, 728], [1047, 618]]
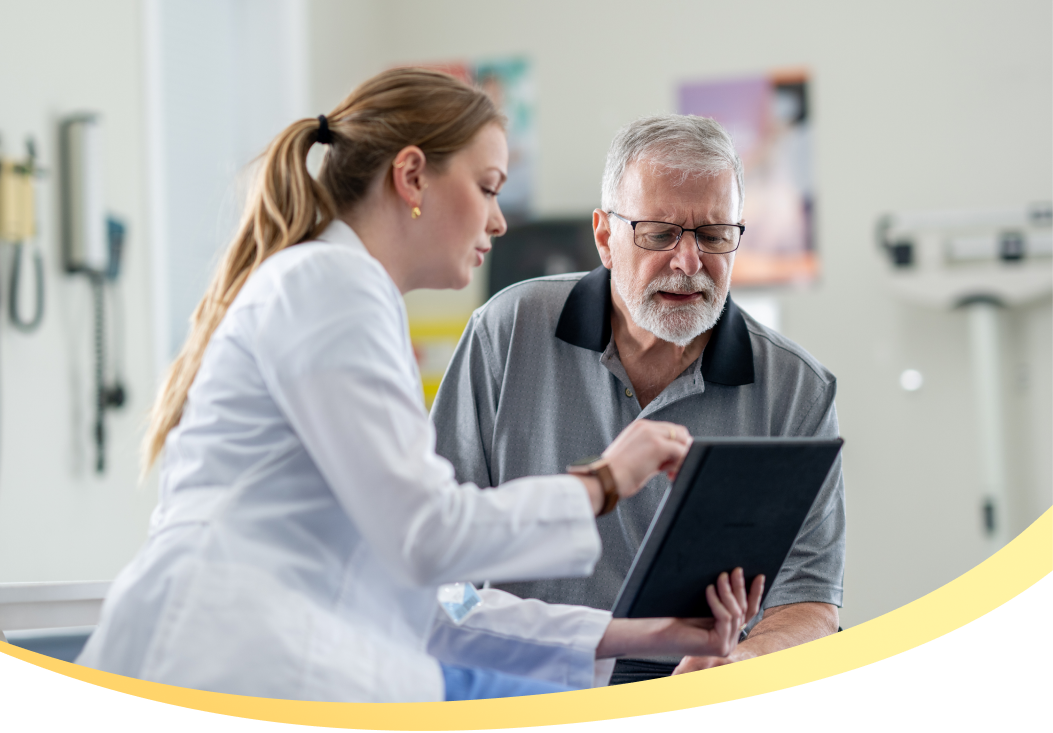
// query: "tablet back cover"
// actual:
[[737, 502]]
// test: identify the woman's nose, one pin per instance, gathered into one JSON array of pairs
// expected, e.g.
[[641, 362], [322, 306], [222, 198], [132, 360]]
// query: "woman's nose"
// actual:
[[497, 225]]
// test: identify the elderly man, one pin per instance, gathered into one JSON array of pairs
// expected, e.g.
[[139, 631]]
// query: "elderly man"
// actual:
[[551, 369]]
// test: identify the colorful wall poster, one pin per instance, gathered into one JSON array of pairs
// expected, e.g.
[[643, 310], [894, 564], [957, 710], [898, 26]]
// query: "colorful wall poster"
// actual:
[[768, 118], [436, 327], [510, 84]]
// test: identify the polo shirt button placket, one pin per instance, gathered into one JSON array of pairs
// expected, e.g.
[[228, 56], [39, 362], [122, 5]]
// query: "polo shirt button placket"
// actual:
[[628, 392]]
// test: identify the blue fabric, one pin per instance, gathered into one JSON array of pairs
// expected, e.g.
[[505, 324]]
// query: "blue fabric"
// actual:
[[474, 683]]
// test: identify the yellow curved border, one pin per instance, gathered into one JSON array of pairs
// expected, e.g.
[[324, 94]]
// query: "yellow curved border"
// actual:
[[1006, 574]]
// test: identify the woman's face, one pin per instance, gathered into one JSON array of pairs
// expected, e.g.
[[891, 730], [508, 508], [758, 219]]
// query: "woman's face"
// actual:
[[459, 210]]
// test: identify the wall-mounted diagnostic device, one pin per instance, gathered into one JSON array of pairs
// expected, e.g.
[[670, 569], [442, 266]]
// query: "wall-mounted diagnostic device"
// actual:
[[982, 261], [92, 241], [941, 258], [91, 238], [18, 227]]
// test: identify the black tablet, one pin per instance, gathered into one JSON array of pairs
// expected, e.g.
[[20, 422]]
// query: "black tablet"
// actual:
[[736, 502]]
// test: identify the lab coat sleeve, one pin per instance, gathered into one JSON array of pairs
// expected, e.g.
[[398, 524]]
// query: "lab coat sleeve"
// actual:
[[544, 641], [334, 351]]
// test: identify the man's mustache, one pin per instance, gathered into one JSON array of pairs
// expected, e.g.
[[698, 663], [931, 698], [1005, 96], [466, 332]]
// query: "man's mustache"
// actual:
[[682, 285]]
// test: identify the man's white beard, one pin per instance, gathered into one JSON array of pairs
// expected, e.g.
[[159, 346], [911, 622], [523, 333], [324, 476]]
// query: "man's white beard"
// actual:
[[678, 324]]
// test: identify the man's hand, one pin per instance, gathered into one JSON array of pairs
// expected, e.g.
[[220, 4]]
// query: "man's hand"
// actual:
[[694, 664], [781, 628]]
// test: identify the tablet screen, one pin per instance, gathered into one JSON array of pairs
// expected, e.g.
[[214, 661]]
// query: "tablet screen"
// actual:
[[736, 502]]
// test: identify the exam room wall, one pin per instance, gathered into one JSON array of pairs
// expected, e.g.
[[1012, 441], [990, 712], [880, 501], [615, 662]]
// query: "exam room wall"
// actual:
[[917, 106], [58, 520]]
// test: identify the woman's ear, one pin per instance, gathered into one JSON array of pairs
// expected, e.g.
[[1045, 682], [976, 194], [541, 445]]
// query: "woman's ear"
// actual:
[[408, 175]]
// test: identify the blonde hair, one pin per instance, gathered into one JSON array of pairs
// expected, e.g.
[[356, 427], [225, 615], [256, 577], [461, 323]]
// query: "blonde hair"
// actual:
[[432, 110]]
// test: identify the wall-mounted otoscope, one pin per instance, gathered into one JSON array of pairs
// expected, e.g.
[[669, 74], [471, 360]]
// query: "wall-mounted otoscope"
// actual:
[[18, 226], [92, 241]]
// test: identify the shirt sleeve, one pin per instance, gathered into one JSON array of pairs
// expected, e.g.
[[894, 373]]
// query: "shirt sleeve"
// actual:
[[814, 570], [334, 351], [465, 408], [551, 642]]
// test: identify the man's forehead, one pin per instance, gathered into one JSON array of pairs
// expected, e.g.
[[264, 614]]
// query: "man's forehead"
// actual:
[[650, 172], [656, 184]]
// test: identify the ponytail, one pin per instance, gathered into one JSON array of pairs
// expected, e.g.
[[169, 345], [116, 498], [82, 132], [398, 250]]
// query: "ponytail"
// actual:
[[401, 107]]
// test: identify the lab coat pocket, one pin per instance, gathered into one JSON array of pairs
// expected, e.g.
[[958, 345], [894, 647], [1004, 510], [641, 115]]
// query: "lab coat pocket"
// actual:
[[232, 628]]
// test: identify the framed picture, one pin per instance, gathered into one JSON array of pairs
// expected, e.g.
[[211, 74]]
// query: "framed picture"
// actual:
[[768, 118]]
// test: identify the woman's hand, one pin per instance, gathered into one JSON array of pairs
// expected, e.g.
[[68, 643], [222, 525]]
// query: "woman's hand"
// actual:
[[644, 449], [712, 637], [731, 610]]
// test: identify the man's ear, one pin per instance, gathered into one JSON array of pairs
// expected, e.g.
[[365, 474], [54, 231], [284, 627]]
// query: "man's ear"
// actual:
[[408, 175], [601, 232]]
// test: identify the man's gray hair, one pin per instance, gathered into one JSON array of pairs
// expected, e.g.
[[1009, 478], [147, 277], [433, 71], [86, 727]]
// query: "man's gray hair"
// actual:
[[689, 145]]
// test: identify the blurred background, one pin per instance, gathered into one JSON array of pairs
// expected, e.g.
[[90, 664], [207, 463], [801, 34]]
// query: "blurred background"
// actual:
[[900, 159]]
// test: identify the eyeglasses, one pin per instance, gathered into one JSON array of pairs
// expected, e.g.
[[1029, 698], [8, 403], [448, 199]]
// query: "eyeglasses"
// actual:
[[659, 236]]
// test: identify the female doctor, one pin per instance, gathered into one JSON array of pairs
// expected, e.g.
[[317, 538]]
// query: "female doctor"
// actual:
[[305, 522]]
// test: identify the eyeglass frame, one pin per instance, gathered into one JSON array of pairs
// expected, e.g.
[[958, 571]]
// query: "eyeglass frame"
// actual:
[[683, 230]]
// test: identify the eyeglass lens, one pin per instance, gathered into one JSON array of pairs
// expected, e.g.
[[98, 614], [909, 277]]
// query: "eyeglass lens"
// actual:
[[716, 238]]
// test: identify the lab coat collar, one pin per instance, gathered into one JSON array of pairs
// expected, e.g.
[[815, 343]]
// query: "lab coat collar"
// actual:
[[338, 232]]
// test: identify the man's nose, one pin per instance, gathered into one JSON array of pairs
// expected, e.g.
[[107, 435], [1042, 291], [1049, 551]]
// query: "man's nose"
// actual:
[[686, 256]]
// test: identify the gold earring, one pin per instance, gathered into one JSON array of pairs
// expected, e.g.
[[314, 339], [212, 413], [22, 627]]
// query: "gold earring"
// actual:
[[415, 213], [400, 165]]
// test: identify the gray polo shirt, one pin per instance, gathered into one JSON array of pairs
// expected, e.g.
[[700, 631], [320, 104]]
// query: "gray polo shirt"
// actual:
[[536, 383]]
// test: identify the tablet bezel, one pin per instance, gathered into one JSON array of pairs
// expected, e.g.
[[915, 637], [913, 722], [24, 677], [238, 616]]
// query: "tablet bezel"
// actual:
[[676, 498]]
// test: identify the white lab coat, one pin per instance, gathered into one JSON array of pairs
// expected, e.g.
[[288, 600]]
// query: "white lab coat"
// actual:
[[305, 521]]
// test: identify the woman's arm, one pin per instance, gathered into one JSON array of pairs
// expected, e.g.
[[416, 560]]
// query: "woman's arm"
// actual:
[[335, 355], [731, 607], [524, 636], [563, 644]]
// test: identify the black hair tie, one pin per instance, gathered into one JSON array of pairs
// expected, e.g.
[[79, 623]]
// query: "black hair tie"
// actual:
[[324, 136]]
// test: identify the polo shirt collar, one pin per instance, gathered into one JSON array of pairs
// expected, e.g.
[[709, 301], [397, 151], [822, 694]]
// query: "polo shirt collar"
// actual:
[[586, 322]]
